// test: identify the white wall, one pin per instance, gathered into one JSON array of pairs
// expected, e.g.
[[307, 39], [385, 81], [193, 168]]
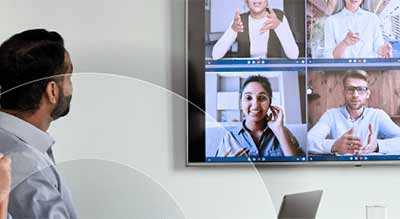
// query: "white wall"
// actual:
[[134, 130], [292, 100]]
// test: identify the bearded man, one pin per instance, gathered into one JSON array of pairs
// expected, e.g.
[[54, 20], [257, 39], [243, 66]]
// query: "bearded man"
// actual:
[[36, 89]]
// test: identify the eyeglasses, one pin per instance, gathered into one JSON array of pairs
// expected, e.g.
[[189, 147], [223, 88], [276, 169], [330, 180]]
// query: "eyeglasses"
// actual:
[[360, 90]]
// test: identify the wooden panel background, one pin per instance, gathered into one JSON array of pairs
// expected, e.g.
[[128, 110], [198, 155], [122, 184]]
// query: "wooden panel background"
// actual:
[[384, 86]]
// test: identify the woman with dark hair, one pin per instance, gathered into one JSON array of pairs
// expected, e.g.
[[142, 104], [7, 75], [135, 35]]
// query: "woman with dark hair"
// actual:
[[261, 134], [5, 184]]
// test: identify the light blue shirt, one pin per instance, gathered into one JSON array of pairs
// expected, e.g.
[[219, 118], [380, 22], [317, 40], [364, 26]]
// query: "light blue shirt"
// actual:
[[37, 190], [335, 122], [365, 23], [239, 137]]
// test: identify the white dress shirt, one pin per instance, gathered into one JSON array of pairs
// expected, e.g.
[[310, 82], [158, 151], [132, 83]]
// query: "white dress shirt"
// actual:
[[258, 40], [365, 23]]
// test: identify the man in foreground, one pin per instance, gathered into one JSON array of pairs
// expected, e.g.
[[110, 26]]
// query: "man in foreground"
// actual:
[[36, 89]]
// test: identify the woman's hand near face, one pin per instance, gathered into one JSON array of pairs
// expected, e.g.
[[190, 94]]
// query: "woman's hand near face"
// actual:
[[275, 123], [275, 119]]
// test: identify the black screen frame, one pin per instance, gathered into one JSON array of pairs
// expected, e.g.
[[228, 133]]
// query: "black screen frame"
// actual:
[[195, 80], [195, 92]]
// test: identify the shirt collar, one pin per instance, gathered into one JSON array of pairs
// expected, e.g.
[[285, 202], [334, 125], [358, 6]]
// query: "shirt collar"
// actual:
[[242, 128], [358, 12], [346, 113], [25, 131]]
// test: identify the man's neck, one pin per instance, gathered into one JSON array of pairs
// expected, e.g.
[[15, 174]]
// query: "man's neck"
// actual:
[[355, 114], [35, 119], [352, 9]]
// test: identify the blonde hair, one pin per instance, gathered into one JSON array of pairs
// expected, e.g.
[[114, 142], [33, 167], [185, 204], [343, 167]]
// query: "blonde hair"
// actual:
[[359, 74]]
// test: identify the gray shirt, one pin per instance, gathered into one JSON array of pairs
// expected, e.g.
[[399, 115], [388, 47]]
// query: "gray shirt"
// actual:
[[37, 189]]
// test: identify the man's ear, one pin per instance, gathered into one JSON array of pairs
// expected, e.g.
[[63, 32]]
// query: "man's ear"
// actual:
[[368, 93], [52, 91]]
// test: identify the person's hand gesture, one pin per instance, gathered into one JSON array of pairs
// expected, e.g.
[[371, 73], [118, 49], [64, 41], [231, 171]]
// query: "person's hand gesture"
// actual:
[[385, 51], [372, 144], [347, 144], [275, 119], [351, 38], [237, 24], [241, 153], [272, 21], [5, 177]]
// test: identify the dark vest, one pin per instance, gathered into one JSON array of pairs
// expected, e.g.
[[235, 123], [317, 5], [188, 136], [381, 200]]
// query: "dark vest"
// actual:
[[275, 49]]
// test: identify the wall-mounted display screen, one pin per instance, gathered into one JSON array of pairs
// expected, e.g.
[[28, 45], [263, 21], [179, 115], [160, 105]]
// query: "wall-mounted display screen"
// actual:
[[293, 81]]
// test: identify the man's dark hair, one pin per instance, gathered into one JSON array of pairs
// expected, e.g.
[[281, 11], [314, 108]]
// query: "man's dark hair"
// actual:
[[263, 81], [27, 60]]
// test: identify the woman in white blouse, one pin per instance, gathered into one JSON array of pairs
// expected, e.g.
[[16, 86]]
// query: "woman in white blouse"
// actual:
[[261, 33]]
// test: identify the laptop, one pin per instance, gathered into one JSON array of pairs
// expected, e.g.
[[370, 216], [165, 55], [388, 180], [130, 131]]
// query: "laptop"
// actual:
[[300, 205]]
